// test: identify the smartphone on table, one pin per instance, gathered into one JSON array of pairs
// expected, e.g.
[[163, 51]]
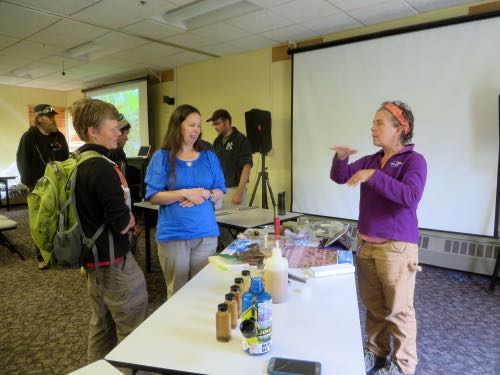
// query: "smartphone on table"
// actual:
[[289, 366]]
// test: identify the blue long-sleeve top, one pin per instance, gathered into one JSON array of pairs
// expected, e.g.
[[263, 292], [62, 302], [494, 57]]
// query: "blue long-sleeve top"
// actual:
[[389, 199], [176, 222]]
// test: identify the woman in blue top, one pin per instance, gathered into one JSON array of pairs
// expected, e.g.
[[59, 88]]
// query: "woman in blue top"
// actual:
[[186, 181]]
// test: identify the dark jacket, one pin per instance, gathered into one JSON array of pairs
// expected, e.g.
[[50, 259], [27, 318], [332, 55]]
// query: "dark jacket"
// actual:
[[100, 198], [35, 150], [233, 154]]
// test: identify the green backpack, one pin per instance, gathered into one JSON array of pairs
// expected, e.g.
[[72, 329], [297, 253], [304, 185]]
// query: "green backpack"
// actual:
[[54, 223]]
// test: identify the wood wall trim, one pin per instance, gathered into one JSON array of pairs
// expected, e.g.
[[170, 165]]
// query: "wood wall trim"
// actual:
[[484, 8], [280, 53]]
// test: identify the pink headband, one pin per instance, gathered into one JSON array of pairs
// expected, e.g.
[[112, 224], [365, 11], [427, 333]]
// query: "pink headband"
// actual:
[[398, 114]]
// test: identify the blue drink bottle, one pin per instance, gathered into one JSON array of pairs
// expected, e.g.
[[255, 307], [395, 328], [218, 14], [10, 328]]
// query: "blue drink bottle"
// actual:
[[256, 320]]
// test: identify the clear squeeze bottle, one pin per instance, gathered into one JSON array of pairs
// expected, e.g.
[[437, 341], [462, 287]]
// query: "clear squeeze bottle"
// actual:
[[276, 271]]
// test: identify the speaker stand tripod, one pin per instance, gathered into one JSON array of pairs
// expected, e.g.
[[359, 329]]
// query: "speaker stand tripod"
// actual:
[[266, 185]]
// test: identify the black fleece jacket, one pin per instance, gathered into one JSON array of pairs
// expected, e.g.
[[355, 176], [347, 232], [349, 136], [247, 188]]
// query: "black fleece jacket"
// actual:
[[100, 198]]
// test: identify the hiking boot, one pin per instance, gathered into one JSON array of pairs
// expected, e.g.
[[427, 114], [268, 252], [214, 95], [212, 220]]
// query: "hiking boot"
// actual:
[[373, 362], [390, 369]]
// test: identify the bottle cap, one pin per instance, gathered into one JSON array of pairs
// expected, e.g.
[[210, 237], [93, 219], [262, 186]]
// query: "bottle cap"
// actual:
[[238, 280], [256, 285], [235, 288], [230, 296], [245, 273], [222, 306]]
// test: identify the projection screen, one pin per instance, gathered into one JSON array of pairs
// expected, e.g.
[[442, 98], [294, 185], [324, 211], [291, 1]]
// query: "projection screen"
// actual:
[[131, 99], [449, 75]]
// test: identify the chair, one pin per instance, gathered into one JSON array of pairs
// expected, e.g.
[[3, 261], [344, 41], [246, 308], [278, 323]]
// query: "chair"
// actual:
[[7, 224]]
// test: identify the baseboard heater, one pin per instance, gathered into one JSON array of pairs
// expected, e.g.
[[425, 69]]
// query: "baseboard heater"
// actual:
[[462, 253]]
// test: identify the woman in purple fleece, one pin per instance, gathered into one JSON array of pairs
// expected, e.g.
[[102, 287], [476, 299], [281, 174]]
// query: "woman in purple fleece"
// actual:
[[392, 182]]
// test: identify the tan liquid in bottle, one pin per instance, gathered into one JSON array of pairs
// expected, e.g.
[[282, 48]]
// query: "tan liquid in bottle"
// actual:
[[223, 323], [236, 290], [245, 274], [276, 271], [233, 309]]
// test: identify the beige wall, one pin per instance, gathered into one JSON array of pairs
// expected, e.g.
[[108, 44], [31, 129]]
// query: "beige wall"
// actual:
[[14, 103]]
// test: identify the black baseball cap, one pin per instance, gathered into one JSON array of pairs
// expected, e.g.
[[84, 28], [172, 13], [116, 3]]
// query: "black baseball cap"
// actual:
[[220, 113], [44, 109]]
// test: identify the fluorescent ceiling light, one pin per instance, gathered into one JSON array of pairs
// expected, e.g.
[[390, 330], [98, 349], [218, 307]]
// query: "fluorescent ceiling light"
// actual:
[[205, 12], [23, 72], [83, 51]]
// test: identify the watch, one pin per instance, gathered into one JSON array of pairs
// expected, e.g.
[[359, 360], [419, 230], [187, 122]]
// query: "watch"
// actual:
[[211, 196]]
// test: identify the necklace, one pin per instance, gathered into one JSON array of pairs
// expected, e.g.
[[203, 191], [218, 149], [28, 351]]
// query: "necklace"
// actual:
[[189, 163]]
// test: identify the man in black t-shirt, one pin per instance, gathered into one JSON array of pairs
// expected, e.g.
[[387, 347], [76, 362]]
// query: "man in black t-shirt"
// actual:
[[40, 144], [235, 155]]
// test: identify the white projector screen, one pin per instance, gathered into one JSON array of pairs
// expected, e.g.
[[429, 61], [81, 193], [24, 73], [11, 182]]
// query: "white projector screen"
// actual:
[[131, 99], [449, 75]]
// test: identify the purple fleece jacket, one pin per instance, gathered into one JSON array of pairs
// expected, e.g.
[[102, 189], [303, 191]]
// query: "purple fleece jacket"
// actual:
[[389, 199]]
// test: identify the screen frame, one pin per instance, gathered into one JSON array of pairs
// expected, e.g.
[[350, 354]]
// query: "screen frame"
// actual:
[[393, 32]]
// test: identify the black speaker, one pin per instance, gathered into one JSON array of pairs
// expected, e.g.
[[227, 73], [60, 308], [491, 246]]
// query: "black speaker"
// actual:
[[258, 123]]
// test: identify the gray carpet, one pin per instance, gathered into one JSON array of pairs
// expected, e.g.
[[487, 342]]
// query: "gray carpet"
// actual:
[[44, 315]]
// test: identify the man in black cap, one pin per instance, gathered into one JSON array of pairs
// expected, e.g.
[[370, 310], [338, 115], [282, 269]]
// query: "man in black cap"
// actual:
[[235, 154], [41, 143]]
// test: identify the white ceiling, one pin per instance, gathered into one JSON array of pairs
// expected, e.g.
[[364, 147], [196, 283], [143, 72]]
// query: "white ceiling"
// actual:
[[128, 37]]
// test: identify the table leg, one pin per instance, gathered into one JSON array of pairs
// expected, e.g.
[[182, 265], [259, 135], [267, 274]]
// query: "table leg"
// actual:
[[7, 194], [147, 229]]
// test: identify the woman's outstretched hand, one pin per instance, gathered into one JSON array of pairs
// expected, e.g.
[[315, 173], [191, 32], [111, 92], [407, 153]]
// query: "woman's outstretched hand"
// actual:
[[360, 176], [343, 152]]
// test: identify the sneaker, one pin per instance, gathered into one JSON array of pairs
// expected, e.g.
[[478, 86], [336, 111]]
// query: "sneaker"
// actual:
[[373, 362], [390, 369]]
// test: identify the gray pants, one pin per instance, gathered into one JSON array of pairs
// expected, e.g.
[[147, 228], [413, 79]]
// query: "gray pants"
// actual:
[[125, 297], [180, 260]]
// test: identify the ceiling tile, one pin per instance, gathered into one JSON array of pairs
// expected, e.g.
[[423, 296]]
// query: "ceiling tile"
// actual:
[[20, 22], [35, 70], [220, 32], [332, 24], [73, 85], [189, 39], [260, 21], [428, 5], [6, 41], [268, 3], [16, 60], [254, 42], [347, 5], [388, 10], [180, 59], [181, 2], [120, 13], [8, 80], [58, 60], [153, 29], [31, 49], [75, 29], [303, 10], [65, 7], [117, 40], [221, 48], [290, 33], [150, 51]]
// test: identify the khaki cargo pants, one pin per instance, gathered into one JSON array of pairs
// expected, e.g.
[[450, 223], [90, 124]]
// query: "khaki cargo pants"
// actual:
[[386, 278]]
